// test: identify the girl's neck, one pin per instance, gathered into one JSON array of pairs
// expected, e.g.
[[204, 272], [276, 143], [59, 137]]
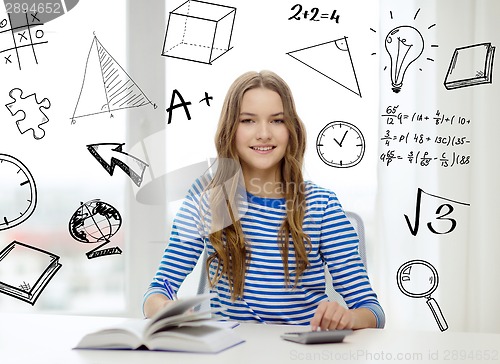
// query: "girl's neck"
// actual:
[[264, 184]]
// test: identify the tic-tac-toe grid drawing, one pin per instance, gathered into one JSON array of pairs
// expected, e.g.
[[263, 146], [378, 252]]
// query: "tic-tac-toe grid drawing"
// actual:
[[20, 41]]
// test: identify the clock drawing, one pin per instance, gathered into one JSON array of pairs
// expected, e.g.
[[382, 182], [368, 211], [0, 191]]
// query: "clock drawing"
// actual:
[[340, 144], [18, 190]]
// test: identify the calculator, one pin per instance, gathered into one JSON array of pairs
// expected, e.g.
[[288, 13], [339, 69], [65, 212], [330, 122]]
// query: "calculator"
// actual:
[[316, 337]]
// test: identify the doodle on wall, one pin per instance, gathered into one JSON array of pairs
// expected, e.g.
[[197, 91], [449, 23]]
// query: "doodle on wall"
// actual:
[[20, 40], [313, 14], [439, 145], [331, 59], [199, 31], [419, 279], [26, 284], [29, 112], [110, 155], [340, 144], [184, 104], [16, 183], [471, 65], [96, 222], [404, 44], [106, 86], [443, 213]]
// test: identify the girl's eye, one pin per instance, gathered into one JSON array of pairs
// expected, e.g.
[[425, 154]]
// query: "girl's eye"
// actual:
[[246, 121], [278, 121]]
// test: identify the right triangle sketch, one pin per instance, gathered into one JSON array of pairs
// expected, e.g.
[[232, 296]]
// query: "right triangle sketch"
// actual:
[[106, 86], [331, 59]]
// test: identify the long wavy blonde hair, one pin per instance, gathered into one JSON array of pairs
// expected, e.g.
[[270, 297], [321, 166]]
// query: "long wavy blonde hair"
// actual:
[[231, 253]]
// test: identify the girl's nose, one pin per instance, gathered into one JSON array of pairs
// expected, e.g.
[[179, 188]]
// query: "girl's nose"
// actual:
[[263, 131]]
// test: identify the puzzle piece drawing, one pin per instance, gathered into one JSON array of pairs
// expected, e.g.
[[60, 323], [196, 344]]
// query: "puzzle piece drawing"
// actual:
[[29, 112]]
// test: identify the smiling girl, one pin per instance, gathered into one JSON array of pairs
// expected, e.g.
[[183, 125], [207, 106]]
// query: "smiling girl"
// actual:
[[267, 264]]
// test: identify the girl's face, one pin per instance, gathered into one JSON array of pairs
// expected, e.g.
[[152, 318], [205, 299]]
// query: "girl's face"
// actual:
[[261, 136]]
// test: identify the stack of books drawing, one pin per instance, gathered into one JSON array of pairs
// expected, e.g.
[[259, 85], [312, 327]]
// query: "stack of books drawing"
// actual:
[[24, 283], [471, 65], [175, 328]]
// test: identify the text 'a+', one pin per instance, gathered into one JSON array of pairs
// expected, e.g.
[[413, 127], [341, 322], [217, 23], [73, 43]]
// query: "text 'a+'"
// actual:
[[184, 104]]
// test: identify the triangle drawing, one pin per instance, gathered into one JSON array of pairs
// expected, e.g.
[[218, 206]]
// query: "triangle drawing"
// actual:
[[106, 86], [331, 59]]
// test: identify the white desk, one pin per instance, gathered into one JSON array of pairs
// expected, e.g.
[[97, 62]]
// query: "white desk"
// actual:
[[33, 339]]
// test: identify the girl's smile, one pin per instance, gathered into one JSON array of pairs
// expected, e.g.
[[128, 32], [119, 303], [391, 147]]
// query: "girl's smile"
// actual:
[[263, 149]]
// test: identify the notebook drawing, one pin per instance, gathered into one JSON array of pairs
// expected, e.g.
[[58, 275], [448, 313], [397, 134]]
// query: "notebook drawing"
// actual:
[[471, 65], [26, 284]]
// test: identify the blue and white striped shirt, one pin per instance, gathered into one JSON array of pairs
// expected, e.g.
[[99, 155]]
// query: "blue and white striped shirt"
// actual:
[[266, 296]]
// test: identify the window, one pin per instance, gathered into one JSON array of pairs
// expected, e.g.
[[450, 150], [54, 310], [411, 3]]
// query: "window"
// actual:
[[65, 173]]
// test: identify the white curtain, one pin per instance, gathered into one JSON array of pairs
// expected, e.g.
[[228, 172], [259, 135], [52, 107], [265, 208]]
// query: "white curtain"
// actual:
[[459, 215]]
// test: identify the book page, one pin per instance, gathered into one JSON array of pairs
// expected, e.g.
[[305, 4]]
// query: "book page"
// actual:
[[205, 338], [181, 305], [124, 335]]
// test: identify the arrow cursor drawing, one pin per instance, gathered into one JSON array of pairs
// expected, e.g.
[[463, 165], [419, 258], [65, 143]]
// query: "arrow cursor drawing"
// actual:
[[110, 155]]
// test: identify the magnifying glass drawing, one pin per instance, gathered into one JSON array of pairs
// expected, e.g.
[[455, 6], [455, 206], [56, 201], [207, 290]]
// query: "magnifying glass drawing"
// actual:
[[419, 279]]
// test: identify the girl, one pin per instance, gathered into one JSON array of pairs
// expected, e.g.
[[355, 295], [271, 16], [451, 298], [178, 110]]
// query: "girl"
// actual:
[[268, 244]]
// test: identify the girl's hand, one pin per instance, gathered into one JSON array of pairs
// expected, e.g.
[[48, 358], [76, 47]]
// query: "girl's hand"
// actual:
[[154, 303], [332, 316]]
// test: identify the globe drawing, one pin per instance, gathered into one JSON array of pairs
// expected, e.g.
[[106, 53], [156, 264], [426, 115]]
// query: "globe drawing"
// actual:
[[94, 222]]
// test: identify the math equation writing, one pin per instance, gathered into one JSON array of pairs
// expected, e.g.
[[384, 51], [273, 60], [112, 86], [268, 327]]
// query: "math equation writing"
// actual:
[[312, 14], [442, 223], [392, 116], [424, 158], [435, 139]]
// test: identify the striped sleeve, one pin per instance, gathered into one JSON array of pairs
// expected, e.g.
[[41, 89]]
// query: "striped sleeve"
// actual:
[[339, 248], [185, 246]]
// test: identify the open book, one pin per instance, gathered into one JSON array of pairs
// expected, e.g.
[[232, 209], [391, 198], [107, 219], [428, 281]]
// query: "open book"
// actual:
[[175, 328]]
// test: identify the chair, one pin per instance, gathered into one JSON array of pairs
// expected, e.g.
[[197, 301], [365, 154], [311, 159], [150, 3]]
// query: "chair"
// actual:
[[357, 223], [203, 283]]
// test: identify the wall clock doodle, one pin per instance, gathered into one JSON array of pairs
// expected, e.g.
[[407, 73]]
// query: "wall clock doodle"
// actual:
[[340, 144], [16, 181]]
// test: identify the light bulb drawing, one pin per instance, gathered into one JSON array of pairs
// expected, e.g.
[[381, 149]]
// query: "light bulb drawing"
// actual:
[[404, 44]]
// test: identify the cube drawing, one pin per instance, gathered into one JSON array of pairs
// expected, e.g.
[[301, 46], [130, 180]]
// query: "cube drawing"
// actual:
[[199, 31]]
